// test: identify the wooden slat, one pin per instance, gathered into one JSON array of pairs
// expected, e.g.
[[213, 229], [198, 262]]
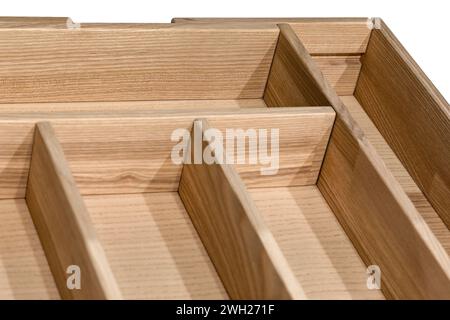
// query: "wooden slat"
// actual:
[[329, 36], [35, 22], [316, 247], [130, 106], [240, 245], [378, 216], [24, 272], [63, 223], [410, 113], [131, 152], [153, 248], [115, 64], [342, 72]]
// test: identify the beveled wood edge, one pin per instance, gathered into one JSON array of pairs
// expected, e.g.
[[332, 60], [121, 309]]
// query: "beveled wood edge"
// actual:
[[223, 212], [63, 222]]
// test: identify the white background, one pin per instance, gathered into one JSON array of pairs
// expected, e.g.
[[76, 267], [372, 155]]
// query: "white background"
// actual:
[[421, 26]]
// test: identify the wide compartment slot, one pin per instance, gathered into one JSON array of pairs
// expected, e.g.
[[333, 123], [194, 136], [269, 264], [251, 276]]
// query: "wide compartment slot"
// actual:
[[153, 248]]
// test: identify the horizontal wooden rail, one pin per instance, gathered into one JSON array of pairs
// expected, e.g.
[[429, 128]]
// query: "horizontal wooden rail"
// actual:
[[117, 63], [321, 36], [244, 252], [130, 152], [378, 216], [63, 223], [36, 22]]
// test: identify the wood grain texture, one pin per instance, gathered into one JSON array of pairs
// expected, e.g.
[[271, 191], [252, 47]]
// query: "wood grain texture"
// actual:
[[34, 22], [128, 106], [320, 35], [244, 252], [63, 223], [411, 115], [128, 152], [15, 154], [316, 247], [394, 165], [161, 62], [370, 204], [342, 72], [153, 248], [24, 271]]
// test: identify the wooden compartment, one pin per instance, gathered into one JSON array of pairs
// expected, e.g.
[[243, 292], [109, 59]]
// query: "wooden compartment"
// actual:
[[390, 143], [86, 118]]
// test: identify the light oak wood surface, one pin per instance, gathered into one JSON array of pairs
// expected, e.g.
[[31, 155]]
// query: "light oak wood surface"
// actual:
[[63, 223], [153, 248], [394, 165], [159, 62], [320, 35], [242, 248], [129, 106], [374, 210], [316, 247], [131, 152], [341, 72], [410, 113], [34, 22], [24, 271]]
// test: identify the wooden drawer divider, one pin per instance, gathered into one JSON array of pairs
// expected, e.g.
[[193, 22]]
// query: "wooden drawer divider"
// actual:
[[239, 243], [63, 223]]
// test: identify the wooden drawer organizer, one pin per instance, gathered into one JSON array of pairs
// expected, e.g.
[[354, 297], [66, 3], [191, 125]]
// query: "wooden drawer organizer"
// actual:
[[86, 178]]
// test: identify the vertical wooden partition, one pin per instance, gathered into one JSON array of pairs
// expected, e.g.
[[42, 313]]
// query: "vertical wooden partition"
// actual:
[[376, 213], [245, 254], [63, 223]]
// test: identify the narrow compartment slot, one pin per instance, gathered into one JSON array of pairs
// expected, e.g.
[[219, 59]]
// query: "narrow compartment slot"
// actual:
[[419, 200], [63, 223], [374, 210], [316, 247], [240, 245]]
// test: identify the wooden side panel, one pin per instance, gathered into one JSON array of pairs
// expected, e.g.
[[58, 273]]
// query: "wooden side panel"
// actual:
[[145, 63], [410, 114], [329, 36], [132, 154], [63, 223], [380, 219], [243, 250]]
